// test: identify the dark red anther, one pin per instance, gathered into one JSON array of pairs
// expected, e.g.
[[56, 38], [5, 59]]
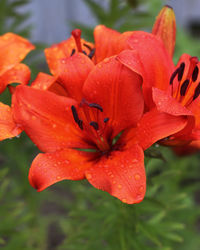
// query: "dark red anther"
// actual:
[[87, 46], [195, 73], [77, 37], [174, 74], [181, 71], [97, 106], [106, 119], [73, 52], [94, 125], [91, 54], [76, 118], [196, 92], [184, 87]]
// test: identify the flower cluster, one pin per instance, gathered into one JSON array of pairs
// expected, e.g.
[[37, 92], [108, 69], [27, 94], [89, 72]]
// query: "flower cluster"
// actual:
[[102, 105]]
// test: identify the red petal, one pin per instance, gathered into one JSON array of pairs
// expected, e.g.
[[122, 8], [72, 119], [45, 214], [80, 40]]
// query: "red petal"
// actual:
[[13, 50], [122, 174], [46, 118], [108, 42], [153, 127], [157, 64], [47, 82], [49, 168], [63, 50], [72, 73], [8, 128], [20, 73], [118, 90], [166, 103], [165, 28]]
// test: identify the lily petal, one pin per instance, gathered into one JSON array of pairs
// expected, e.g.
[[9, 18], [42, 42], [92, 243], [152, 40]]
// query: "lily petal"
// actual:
[[109, 42], [20, 73], [8, 128], [165, 28], [46, 118], [63, 50], [47, 82], [72, 73], [13, 50], [118, 90], [167, 104], [152, 127], [157, 64], [49, 168], [122, 174]]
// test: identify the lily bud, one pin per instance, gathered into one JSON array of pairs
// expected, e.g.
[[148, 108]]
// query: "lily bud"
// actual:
[[165, 28]]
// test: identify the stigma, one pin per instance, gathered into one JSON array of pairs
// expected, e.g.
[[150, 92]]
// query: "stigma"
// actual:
[[76, 33]]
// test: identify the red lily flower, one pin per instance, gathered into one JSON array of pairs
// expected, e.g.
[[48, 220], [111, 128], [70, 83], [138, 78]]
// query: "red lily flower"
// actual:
[[167, 89], [109, 42], [13, 50], [64, 128]]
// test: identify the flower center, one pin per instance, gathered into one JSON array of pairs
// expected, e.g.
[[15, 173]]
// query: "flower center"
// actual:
[[77, 37], [184, 85], [89, 118]]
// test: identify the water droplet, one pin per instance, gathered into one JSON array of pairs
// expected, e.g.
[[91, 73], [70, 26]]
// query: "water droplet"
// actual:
[[67, 161], [33, 117], [54, 125], [137, 177], [124, 200], [58, 177], [134, 161], [141, 189], [114, 182], [119, 186]]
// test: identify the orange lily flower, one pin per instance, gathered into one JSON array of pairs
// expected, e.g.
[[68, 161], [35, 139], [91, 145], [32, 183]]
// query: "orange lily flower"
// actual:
[[168, 89], [13, 50], [77, 135]]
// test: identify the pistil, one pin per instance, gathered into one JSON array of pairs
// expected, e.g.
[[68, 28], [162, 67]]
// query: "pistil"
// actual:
[[77, 37]]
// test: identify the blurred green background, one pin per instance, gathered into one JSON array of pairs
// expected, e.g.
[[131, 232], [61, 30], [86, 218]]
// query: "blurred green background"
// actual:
[[74, 215]]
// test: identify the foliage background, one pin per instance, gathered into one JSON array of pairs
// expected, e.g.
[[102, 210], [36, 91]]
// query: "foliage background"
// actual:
[[74, 215]]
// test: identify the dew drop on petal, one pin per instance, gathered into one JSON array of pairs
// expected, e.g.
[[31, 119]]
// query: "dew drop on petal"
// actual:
[[58, 177], [119, 186], [124, 200], [67, 161], [137, 177], [141, 189]]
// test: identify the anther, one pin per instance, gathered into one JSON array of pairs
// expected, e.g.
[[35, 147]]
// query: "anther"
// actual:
[[87, 46], [97, 106], [75, 114], [174, 74], [106, 119], [73, 52], [184, 87], [196, 92], [91, 54], [181, 71], [94, 125], [84, 52], [76, 118], [195, 73]]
